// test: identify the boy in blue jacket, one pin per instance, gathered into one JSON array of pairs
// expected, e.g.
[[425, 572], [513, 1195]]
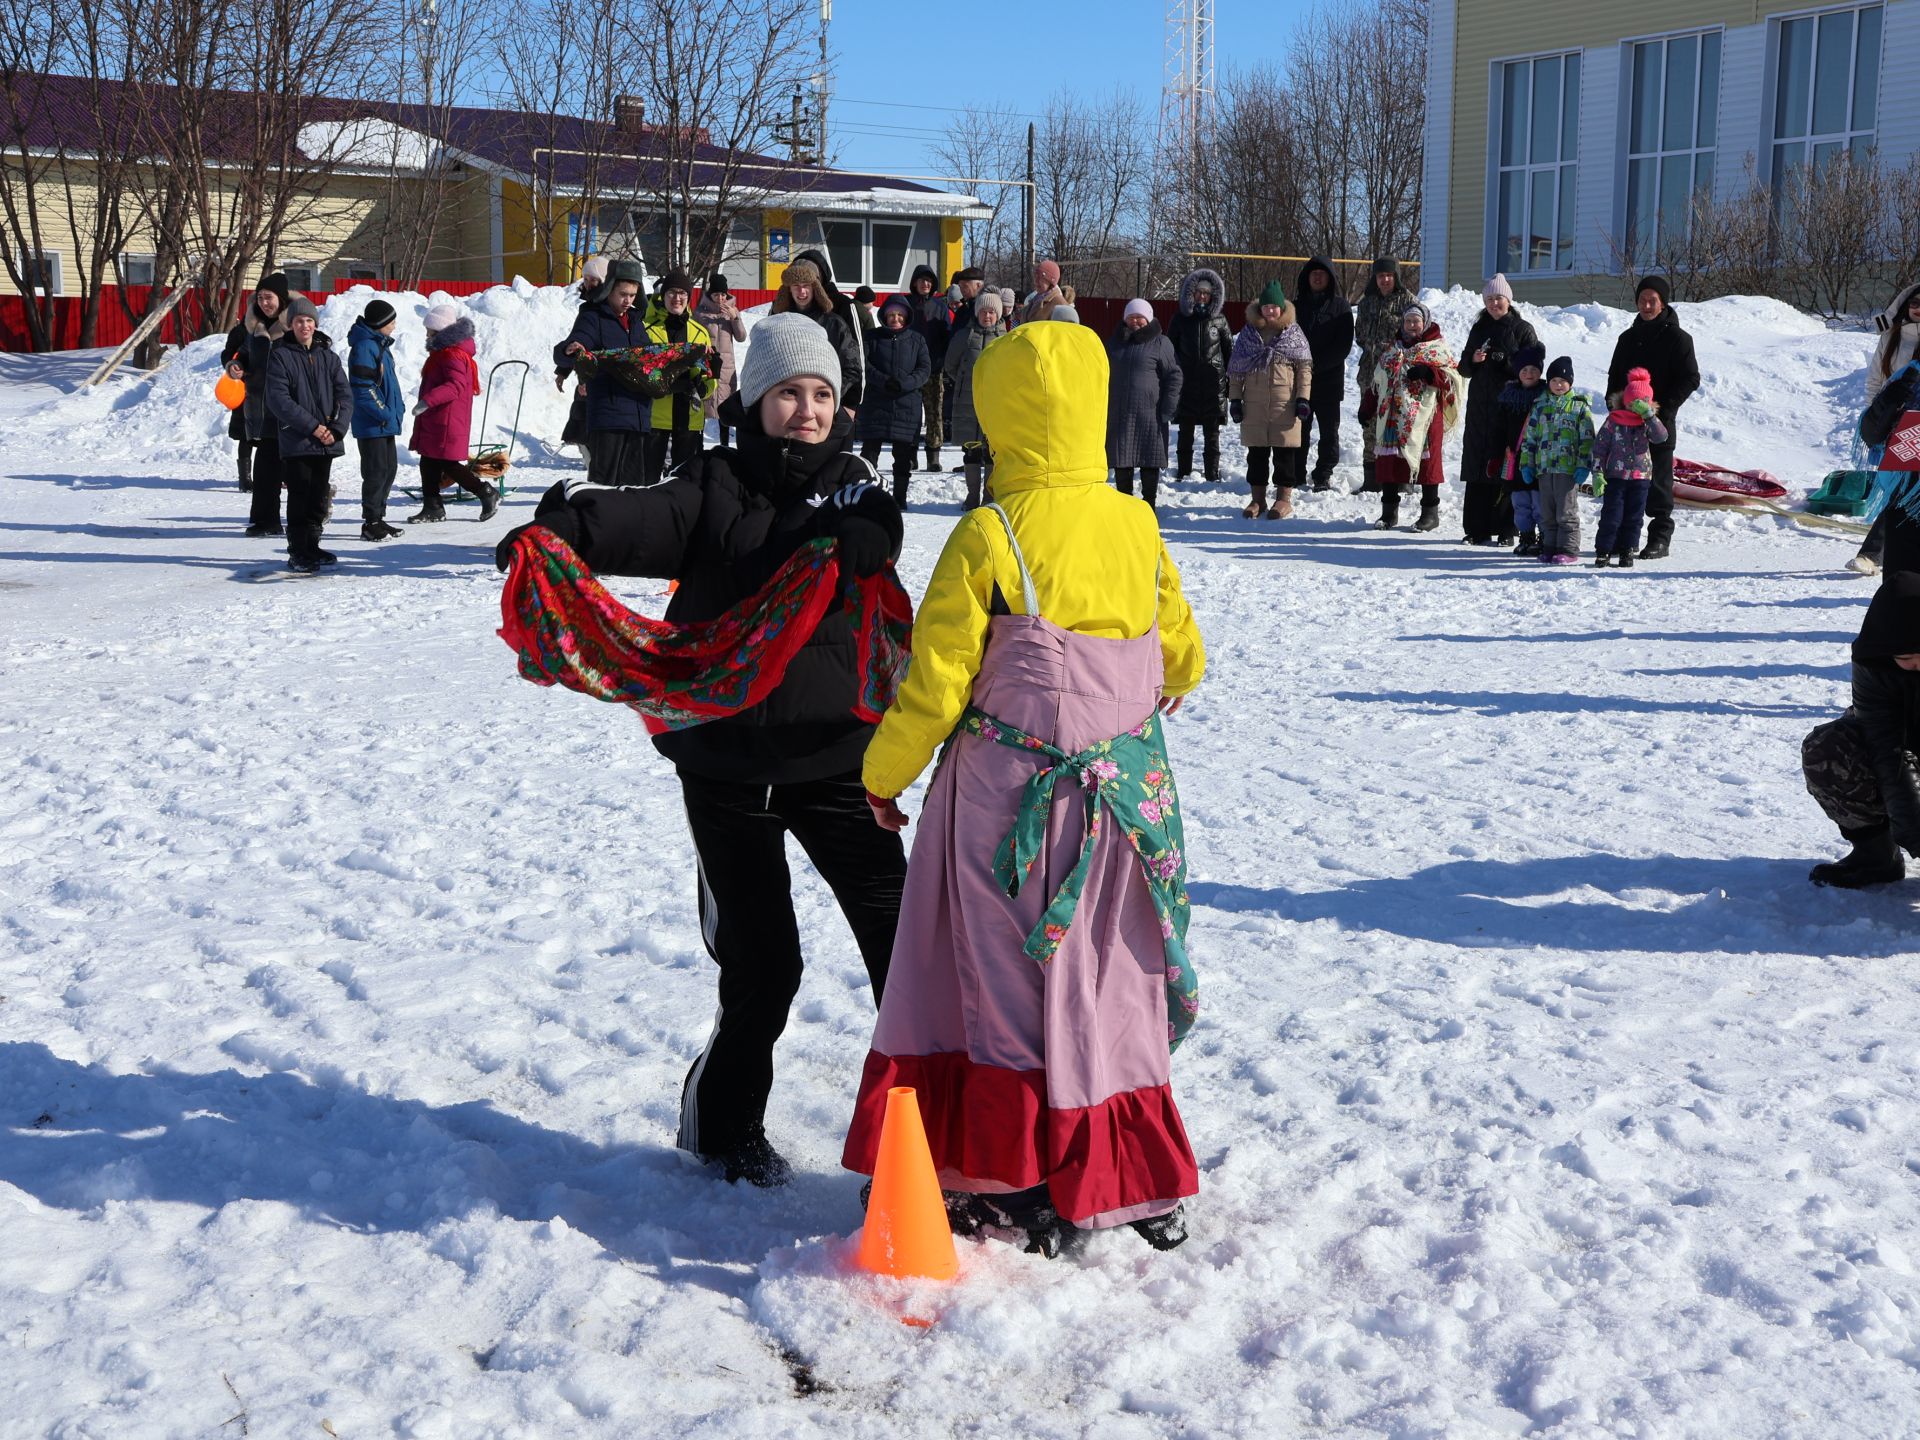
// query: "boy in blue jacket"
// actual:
[[377, 413]]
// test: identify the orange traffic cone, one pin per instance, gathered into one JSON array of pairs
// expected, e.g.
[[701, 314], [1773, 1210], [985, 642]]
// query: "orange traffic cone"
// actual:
[[906, 1233]]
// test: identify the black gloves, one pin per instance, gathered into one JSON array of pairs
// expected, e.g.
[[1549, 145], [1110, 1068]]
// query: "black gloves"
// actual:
[[1423, 373], [1303, 408], [1237, 409], [894, 387], [864, 547], [561, 521], [866, 524]]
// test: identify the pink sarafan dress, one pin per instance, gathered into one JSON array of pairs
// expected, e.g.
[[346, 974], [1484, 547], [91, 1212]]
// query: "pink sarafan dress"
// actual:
[[1029, 1072]]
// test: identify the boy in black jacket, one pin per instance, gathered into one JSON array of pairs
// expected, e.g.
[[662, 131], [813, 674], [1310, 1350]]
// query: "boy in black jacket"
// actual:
[[722, 525], [1860, 767]]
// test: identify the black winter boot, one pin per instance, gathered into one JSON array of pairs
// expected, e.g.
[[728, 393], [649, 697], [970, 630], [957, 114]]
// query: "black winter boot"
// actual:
[[1654, 549], [1624, 560], [1529, 543], [1389, 508], [244, 462], [1874, 860], [753, 1159], [1163, 1232], [933, 458], [976, 484], [900, 478], [1429, 508], [1659, 537]]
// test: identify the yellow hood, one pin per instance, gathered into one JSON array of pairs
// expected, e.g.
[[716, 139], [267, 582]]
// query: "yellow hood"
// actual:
[[1041, 396]]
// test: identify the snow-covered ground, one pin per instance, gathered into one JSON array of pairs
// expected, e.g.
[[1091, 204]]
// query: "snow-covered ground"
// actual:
[[347, 983]]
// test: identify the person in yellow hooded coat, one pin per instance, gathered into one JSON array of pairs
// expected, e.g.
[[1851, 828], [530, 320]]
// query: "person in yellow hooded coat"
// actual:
[[680, 419], [1039, 979]]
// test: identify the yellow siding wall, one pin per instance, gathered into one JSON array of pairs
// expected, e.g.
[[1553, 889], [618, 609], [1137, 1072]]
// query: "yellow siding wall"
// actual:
[[1489, 30]]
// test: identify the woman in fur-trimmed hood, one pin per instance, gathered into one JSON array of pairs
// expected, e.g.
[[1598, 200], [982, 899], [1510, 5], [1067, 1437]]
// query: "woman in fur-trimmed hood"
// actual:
[[807, 287], [1270, 388], [1203, 343]]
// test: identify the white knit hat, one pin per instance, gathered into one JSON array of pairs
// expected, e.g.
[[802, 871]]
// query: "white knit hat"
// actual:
[[782, 346], [438, 317], [1137, 307], [1496, 286]]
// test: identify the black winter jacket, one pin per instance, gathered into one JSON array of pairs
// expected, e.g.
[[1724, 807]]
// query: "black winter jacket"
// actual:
[[1327, 319], [249, 344], [1486, 379], [834, 312], [1665, 352], [1886, 701], [897, 366], [932, 318], [1203, 343], [610, 406], [722, 526], [307, 387]]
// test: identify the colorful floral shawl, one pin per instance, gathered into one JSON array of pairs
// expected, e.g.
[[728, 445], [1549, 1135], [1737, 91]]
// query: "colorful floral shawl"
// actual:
[[1401, 426], [1130, 776], [569, 631]]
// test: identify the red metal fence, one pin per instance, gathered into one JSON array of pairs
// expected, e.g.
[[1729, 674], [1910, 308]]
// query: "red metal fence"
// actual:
[[122, 307]]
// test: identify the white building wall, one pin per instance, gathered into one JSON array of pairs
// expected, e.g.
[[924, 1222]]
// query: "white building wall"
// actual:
[[1743, 85]]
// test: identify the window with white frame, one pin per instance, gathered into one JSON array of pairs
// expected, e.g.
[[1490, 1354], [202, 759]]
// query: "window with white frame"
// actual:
[[1672, 131], [880, 253], [1827, 88], [135, 268], [1536, 147], [43, 272]]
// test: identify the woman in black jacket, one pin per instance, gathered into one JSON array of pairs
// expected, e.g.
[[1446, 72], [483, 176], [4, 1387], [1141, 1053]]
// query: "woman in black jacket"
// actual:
[[1487, 360], [807, 286], [245, 356], [309, 399], [618, 420], [1327, 319], [1203, 344], [722, 525], [898, 367], [1860, 767], [1654, 342]]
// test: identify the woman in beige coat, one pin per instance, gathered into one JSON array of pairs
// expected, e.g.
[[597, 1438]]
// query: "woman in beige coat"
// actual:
[[1270, 391]]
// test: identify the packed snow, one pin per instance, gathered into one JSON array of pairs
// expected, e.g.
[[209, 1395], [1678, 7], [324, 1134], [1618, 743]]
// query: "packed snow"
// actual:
[[347, 983]]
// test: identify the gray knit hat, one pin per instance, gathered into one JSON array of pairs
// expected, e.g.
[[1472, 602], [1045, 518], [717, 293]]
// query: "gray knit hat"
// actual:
[[301, 305], [782, 346]]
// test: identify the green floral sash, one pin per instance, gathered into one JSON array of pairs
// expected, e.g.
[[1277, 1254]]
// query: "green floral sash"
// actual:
[[1128, 775]]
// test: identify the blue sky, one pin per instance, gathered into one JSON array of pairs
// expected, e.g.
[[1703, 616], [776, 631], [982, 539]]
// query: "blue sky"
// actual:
[[904, 67]]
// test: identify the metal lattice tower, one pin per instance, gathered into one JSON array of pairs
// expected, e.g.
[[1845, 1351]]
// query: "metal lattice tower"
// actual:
[[1186, 103]]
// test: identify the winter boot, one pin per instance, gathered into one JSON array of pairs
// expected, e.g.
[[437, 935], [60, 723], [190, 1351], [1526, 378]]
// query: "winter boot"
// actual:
[[489, 500], [1654, 549], [1874, 860], [1212, 472], [1322, 479], [900, 478], [1529, 543], [1624, 560], [374, 530], [976, 478], [1282, 504], [387, 532], [1257, 506], [933, 459], [753, 1159], [1864, 564], [326, 557], [1429, 508], [244, 463], [1600, 559], [256, 531], [1389, 508], [1163, 1232], [303, 564]]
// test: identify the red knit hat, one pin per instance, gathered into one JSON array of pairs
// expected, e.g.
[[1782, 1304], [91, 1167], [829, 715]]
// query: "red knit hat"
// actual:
[[1639, 387]]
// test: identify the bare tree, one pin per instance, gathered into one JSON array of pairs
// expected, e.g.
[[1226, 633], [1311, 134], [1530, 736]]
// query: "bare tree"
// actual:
[[32, 43], [989, 144], [714, 79], [436, 48], [1834, 229], [559, 60]]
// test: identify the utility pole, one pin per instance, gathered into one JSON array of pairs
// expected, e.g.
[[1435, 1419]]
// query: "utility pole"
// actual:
[[820, 83], [1186, 112], [1032, 217]]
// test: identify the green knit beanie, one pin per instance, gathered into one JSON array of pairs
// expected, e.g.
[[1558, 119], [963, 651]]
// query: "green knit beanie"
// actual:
[[1274, 294]]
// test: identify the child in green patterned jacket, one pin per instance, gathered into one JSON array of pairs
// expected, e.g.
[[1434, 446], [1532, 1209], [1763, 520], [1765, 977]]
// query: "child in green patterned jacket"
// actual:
[[1557, 455]]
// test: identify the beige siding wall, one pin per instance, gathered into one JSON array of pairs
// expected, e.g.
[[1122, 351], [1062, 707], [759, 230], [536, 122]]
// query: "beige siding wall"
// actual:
[[1490, 30], [339, 226]]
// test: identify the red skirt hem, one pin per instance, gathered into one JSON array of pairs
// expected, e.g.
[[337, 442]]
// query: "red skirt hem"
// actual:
[[994, 1125]]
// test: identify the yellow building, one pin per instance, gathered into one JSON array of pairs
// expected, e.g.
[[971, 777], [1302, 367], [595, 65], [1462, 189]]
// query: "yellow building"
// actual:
[[1566, 142]]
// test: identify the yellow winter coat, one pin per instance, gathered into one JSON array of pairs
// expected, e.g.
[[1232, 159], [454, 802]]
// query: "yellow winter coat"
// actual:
[[1041, 395], [697, 334]]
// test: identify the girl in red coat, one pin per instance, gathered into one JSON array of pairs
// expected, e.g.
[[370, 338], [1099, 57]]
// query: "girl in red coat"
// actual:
[[443, 420]]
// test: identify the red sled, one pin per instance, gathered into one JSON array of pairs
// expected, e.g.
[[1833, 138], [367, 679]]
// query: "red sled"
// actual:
[[1715, 485]]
